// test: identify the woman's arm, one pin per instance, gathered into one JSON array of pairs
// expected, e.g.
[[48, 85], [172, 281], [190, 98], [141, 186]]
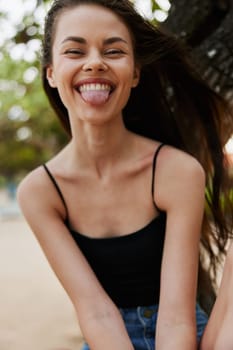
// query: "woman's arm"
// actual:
[[180, 188], [99, 318]]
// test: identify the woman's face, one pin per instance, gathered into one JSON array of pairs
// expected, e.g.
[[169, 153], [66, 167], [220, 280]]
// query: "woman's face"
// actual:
[[93, 64]]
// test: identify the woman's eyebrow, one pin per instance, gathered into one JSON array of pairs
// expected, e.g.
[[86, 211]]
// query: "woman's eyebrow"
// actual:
[[113, 40], [108, 41], [76, 39]]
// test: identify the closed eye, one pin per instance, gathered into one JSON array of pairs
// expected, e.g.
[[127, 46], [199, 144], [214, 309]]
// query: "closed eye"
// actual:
[[114, 52], [74, 52]]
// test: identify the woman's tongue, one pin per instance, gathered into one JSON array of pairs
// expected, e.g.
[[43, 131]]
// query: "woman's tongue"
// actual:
[[95, 97]]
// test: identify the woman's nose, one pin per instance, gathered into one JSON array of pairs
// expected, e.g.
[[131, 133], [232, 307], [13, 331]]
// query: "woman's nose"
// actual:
[[94, 62]]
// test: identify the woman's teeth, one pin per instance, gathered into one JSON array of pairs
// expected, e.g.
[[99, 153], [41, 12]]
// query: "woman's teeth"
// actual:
[[95, 87]]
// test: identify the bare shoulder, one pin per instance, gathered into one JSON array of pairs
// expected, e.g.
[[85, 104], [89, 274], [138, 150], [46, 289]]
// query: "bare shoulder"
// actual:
[[179, 162], [31, 184], [178, 176], [32, 181], [37, 182], [35, 193]]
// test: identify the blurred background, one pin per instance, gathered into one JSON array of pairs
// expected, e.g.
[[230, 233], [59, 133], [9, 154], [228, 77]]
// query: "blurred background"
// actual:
[[35, 311]]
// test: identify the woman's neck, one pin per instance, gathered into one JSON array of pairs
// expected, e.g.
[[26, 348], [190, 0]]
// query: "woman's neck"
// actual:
[[100, 147]]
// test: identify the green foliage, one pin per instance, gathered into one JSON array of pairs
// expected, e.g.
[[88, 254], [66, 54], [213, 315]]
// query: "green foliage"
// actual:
[[154, 6], [29, 131], [226, 199]]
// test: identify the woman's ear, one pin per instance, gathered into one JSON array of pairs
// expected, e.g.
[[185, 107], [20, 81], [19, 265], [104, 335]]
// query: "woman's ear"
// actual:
[[50, 76], [136, 76]]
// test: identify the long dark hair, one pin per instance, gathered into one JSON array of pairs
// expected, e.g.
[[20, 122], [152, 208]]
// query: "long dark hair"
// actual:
[[171, 104]]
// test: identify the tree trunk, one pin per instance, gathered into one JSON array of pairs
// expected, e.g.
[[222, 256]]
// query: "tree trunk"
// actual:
[[206, 26]]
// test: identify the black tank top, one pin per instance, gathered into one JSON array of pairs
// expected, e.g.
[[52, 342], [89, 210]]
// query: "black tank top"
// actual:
[[129, 266]]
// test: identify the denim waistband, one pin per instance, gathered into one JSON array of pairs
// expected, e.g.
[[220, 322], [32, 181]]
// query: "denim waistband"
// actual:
[[140, 323]]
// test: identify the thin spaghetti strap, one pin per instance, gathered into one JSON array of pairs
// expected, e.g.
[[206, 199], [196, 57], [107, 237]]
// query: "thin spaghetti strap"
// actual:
[[153, 173], [56, 187]]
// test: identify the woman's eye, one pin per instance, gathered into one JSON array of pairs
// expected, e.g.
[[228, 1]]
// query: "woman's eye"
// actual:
[[114, 52], [74, 52]]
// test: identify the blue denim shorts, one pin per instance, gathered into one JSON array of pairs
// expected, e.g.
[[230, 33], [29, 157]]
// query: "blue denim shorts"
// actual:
[[140, 323]]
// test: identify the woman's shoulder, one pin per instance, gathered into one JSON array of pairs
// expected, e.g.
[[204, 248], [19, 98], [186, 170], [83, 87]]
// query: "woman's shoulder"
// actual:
[[169, 158], [34, 180], [33, 189], [178, 175], [37, 196], [37, 179], [178, 161]]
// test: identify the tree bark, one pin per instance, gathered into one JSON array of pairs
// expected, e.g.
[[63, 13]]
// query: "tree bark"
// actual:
[[206, 26]]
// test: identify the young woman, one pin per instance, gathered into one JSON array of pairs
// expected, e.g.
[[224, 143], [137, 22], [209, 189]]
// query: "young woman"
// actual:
[[119, 211]]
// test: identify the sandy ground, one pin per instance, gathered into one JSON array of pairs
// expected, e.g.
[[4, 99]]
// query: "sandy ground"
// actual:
[[35, 312]]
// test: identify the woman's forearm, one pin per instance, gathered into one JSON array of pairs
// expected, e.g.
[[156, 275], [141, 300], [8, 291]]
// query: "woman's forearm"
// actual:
[[179, 337], [105, 330]]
